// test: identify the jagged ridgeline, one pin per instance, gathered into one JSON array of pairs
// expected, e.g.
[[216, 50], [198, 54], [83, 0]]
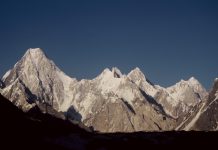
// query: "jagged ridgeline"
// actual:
[[111, 102]]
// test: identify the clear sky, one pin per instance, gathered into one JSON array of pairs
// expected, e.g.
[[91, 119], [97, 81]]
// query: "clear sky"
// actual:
[[168, 40]]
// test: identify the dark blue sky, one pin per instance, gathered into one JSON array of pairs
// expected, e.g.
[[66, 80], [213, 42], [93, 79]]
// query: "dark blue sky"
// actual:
[[167, 39]]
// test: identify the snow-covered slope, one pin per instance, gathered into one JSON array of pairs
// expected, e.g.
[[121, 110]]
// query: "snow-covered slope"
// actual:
[[204, 116], [178, 99], [179, 91], [144, 84], [197, 87], [112, 102]]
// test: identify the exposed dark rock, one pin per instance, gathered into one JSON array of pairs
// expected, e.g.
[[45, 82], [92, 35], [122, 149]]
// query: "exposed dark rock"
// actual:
[[2, 85]]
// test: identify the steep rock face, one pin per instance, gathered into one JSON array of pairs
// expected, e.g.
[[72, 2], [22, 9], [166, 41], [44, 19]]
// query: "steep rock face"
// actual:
[[39, 76], [19, 95], [1, 84], [204, 116], [118, 117]]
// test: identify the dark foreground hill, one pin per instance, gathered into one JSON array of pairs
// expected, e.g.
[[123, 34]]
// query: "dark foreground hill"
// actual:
[[35, 130], [19, 129]]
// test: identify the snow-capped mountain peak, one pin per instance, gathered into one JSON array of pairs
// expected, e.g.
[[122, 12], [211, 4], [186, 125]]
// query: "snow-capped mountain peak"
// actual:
[[136, 74], [137, 77], [183, 96], [192, 85], [35, 52], [41, 77], [203, 117], [108, 74], [116, 72], [193, 79], [198, 88], [35, 56], [109, 79]]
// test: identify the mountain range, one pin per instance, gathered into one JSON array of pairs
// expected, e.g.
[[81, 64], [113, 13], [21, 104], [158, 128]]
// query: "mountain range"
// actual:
[[111, 102]]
